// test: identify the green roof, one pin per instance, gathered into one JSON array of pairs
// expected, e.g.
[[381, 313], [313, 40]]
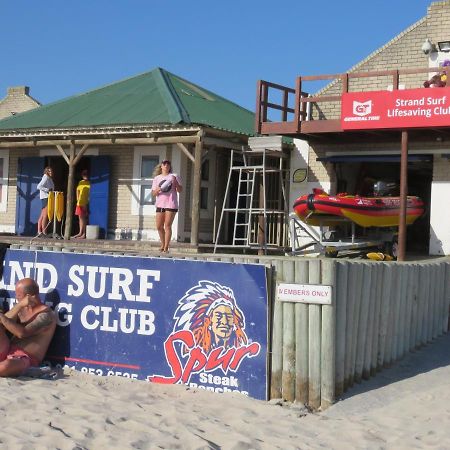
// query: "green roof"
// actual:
[[156, 97]]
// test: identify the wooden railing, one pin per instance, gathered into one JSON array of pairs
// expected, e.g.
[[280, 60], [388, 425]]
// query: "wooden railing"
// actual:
[[296, 103]]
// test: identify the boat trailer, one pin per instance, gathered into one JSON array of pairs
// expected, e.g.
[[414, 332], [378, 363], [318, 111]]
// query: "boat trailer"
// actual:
[[306, 239]]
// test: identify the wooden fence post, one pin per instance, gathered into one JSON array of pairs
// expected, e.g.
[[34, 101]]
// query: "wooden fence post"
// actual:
[[422, 305], [442, 294], [370, 321], [288, 373], [446, 324], [384, 315], [364, 303], [314, 340], [432, 306], [352, 279], [378, 297], [328, 362], [356, 310], [408, 309], [277, 336], [414, 281], [301, 337], [341, 323]]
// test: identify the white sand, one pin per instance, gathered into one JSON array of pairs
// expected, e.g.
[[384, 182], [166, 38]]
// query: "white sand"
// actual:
[[404, 407]]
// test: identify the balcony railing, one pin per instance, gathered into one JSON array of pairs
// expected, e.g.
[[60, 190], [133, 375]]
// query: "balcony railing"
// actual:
[[295, 106]]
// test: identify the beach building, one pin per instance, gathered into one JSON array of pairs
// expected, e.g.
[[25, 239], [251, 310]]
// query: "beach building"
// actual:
[[120, 132], [309, 328], [339, 150]]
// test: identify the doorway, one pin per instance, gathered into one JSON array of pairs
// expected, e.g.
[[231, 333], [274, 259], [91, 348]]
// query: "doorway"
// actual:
[[357, 178], [28, 205]]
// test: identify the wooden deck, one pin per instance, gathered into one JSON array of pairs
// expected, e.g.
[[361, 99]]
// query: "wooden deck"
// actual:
[[287, 110], [128, 247]]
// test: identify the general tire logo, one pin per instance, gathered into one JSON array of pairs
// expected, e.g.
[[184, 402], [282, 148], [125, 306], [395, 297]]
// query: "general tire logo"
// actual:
[[362, 109]]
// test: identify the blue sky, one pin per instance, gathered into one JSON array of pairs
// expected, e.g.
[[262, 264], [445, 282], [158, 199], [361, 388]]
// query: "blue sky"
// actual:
[[61, 48]]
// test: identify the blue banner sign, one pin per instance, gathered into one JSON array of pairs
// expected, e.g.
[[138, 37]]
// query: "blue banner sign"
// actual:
[[203, 324]]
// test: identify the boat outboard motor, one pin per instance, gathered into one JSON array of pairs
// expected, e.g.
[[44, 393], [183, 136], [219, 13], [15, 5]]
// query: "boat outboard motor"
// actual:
[[384, 188]]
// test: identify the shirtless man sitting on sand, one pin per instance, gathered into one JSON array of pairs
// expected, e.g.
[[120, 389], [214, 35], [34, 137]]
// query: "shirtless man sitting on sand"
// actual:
[[31, 324]]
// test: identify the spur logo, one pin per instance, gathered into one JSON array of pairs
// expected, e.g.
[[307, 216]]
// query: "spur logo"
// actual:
[[208, 335]]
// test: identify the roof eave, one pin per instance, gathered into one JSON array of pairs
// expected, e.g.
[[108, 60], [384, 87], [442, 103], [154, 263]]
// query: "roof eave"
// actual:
[[100, 131]]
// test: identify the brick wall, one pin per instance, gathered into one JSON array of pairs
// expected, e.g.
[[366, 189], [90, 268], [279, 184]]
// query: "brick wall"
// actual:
[[120, 190], [403, 51], [8, 218], [441, 169], [17, 100], [438, 21]]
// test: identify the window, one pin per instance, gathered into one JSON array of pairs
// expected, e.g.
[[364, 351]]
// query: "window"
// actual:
[[148, 164], [144, 162], [203, 198], [207, 201], [205, 170], [204, 184], [4, 164]]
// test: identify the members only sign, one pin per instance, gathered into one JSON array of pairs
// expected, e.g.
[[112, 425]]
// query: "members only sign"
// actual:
[[203, 324], [304, 293], [411, 108]]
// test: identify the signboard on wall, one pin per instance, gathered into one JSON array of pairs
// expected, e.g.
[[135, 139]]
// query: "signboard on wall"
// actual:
[[203, 324], [304, 293], [409, 108]]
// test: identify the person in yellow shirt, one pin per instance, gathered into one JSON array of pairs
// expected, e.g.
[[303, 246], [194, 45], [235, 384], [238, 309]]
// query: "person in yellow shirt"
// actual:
[[82, 207]]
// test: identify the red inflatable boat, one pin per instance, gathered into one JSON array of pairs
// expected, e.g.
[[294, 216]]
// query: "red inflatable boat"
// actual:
[[319, 208]]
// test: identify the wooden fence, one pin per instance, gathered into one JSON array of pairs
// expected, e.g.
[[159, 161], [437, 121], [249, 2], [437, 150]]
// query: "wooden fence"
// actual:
[[379, 311]]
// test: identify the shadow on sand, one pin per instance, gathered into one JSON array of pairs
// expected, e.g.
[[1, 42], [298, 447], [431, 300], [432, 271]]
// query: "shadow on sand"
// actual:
[[425, 359]]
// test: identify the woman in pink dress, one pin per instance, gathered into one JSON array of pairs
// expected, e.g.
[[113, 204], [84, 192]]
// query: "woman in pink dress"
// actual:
[[165, 188]]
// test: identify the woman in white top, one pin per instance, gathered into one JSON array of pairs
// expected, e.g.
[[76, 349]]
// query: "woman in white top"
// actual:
[[44, 187]]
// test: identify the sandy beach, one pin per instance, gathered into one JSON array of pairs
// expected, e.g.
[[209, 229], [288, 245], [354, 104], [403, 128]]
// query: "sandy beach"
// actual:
[[406, 406]]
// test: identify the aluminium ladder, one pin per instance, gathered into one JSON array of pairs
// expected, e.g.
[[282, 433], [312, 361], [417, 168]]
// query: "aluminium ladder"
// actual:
[[246, 204]]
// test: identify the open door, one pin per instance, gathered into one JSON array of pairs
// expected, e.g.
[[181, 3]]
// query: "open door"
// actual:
[[28, 204], [99, 193]]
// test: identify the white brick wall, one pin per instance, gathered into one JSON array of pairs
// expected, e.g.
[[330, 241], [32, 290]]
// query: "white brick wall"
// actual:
[[17, 100]]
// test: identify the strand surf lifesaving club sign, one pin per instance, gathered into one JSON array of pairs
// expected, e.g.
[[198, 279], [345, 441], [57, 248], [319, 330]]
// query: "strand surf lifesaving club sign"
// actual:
[[198, 323], [410, 108]]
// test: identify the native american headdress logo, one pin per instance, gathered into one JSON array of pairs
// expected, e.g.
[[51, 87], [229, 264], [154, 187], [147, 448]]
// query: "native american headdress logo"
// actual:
[[210, 312]]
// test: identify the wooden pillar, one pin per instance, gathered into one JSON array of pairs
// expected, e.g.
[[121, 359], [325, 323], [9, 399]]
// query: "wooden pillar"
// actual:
[[403, 197], [298, 106], [72, 161], [259, 89], [69, 199], [196, 189]]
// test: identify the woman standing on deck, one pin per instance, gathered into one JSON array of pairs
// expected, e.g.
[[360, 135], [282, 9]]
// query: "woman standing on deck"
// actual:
[[165, 187], [44, 187]]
